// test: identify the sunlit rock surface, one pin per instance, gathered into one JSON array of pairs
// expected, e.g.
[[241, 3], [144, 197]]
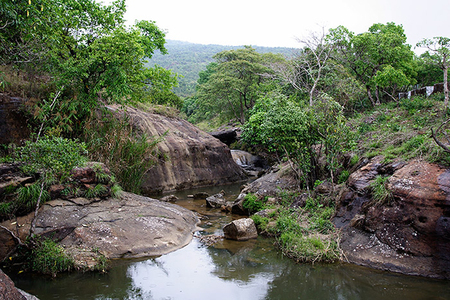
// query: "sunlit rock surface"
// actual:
[[132, 226]]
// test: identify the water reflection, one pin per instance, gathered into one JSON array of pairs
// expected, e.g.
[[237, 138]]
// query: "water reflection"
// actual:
[[196, 272], [230, 270], [256, 271]]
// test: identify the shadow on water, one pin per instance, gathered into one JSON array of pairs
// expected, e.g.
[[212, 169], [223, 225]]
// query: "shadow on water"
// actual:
[[231, 270]]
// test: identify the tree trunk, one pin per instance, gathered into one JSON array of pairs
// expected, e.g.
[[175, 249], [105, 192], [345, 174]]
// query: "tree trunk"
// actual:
[[242, 115], [445, 87], [369, 94], [377, 96]]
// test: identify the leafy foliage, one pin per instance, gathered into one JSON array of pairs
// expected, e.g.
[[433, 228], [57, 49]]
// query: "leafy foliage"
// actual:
[[298, 131], [47, 257], [55, 157], [253, 204], [231, 86], [378, 58], [91, 56]]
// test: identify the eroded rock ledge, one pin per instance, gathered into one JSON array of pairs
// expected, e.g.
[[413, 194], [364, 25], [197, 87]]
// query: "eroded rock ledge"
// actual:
[[132, 226], [410, 234]]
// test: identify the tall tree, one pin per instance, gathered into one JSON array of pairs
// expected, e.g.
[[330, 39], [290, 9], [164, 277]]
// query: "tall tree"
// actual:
[[306, 68], [378, 52], [234, 83], [440, 55], [86, 48]]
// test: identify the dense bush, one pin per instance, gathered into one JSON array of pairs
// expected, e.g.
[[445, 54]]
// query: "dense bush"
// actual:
[[47, 257]]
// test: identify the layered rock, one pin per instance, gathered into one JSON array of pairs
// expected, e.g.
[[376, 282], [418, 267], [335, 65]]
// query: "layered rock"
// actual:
[[191, 157], [216, 201], [132, 226], [410, 233]]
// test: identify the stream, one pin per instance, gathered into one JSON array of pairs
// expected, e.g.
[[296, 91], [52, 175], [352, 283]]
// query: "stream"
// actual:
[[229, 270]]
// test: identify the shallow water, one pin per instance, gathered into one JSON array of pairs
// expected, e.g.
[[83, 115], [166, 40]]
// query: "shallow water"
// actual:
[[230, 270]]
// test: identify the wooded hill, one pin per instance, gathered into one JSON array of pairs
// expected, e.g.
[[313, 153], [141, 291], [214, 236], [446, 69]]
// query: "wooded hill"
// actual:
[[188, 59]]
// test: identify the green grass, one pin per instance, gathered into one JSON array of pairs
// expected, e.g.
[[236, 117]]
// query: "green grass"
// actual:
[[303, 234], [381, 195], [47, 257], [27, 196], [401, 131], [253, 204]]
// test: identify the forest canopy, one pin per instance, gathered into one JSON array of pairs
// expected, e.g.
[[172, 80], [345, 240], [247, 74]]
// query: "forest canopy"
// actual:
[[86, 50]]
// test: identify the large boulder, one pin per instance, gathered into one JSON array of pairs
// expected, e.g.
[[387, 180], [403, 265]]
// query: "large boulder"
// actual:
[[8, 291], [410, 233], [192, 157], [240, 230], [129, 227], [278, 179]]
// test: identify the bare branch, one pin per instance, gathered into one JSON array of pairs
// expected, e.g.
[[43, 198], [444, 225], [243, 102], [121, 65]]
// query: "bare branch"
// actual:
[[13, 235], [439, 143]]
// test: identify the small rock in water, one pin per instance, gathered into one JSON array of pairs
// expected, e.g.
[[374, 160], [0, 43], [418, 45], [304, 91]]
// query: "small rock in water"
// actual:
[[209, 240], [201, 195], [216, 201], [169, 198], [241, 230]]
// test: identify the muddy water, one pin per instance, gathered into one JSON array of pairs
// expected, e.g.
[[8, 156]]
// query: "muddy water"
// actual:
[[231, 270]]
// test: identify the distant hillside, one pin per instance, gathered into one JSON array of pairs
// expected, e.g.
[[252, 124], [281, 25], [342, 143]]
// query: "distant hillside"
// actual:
[[189, 59]]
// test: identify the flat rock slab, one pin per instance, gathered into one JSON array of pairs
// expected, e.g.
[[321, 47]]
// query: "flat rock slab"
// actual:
[[129, 227]]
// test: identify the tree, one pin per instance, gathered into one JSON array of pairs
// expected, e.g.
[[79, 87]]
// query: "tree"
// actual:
[[303, 134], [428, 74], [91, 55], [440, 55], [305, 69], [373, 54], [232, 85]]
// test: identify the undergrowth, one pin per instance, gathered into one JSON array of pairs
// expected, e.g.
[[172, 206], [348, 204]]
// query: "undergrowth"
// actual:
[[127, 152], [47, 257], [303, 234], [402, 130]]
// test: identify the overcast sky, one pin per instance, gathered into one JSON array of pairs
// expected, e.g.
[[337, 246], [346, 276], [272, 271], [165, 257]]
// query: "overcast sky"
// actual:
[[277, 23]]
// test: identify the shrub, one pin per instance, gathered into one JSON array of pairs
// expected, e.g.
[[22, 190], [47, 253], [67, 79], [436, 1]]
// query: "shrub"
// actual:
[[343, 176], [47, 257], [252, 203], [55, 157]]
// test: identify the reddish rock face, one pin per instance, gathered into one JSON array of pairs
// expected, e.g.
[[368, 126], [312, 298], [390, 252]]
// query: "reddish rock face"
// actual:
[[411, 233], [8, 290]]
